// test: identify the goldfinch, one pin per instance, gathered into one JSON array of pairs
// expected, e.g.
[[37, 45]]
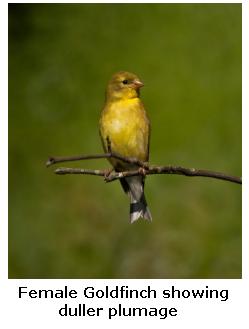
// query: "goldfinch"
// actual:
[[125, 127]]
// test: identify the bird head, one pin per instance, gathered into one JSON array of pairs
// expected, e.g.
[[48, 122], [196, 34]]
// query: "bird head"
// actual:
[[123, 85]]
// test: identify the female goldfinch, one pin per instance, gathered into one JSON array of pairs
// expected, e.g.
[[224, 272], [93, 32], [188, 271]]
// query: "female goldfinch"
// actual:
[[125, 127]]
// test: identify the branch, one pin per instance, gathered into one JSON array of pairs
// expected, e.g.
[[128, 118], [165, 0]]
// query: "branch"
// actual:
[[54, 160], [144, 169]]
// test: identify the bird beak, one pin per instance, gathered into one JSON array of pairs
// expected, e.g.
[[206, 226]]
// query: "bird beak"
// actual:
[[137, 84]]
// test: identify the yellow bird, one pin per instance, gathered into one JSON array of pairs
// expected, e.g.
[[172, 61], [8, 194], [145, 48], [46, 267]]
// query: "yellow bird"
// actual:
[[124, 124]]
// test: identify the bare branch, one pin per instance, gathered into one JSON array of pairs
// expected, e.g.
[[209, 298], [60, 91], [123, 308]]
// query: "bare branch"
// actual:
[[54, 160], [146, 169]]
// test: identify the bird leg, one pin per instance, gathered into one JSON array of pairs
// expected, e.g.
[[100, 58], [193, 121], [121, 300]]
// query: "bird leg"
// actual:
[[107, 174], [108, 141], [142, 171]]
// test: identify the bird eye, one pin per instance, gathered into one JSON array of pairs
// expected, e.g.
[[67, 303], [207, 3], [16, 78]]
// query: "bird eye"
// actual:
[[125, 82]]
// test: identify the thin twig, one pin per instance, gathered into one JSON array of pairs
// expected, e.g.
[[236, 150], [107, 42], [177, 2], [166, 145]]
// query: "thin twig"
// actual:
[[134, 161], [146, 169], [174, 170]]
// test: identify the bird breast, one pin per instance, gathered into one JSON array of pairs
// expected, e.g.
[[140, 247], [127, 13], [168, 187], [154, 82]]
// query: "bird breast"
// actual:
[[126, 125]]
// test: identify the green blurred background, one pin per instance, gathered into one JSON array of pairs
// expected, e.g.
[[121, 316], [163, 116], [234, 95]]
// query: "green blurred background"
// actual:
[[60, 59]]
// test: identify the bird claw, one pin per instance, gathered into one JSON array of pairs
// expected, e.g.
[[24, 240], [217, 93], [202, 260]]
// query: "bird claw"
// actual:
[[142, 171], [107, 174]]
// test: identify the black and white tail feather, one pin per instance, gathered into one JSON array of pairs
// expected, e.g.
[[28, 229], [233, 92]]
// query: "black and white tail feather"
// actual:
[[134, 187]]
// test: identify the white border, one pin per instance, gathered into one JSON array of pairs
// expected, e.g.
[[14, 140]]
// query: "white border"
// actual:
[[17, 313]]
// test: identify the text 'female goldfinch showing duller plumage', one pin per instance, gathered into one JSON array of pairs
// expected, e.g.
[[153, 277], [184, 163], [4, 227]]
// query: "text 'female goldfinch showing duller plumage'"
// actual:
[[125, 127]]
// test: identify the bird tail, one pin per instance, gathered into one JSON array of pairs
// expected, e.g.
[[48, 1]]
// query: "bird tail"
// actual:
[[139, 209], [134, 186]]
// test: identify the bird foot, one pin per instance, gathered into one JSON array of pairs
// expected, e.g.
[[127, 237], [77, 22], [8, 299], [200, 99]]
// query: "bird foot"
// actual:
[[107, 174], [142, 171]]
